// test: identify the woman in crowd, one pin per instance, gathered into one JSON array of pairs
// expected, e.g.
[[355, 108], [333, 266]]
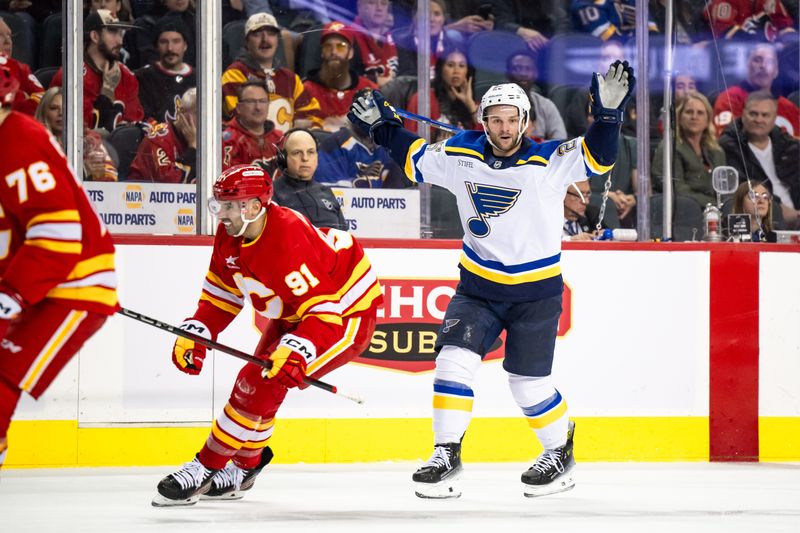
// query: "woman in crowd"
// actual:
[[406, 40], [758, 205], [451, 96], [696, 151], [97, 163]]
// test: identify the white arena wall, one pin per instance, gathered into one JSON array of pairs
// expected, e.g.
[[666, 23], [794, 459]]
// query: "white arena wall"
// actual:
[[667, 352]]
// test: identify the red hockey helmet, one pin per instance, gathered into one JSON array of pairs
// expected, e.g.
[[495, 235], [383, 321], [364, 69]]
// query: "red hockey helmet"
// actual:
[[9, 84], [243, 182]]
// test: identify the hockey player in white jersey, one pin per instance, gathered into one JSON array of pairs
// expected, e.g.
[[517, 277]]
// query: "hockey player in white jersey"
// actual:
[[510, 194]]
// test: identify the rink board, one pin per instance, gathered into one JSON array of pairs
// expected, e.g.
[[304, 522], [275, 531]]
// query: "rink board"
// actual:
[[640, 360]]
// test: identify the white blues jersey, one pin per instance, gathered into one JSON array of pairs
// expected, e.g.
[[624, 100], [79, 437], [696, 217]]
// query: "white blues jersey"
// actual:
[[511, 209]]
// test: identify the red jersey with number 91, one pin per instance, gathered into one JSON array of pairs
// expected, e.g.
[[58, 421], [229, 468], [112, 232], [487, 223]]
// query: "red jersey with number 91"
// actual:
[[311, 278], [52, 244]]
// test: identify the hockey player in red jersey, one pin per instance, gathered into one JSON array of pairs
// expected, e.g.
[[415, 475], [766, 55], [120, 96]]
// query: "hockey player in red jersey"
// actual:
[[321, 295], [57, 281]]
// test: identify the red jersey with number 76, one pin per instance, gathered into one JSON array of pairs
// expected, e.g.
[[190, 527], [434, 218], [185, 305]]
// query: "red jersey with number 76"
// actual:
[[310, 278], [52, 243]]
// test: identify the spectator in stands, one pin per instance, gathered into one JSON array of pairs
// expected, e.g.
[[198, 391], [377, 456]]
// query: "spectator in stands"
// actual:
[[348, 158], [291, 104], [97, 162], [140, 41], [580, 217], [696, 151], [760, 151], [762, 70], [522, 69], [451, 95], [373, 42], [250, 138], [295, 186], [760, 20], [38, 10], [536, 21], [607, 19], [757, 204], [334, 84], [168, 153], [116, 7], [162, 82], [110, 90], [30, 90], [406, 40]]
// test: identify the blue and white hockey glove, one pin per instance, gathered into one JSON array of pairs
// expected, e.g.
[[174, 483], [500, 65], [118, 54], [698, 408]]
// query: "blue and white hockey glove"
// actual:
[[610, 94], [370, 111]]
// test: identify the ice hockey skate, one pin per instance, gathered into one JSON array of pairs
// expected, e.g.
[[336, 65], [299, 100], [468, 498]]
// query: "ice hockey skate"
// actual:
[[232, 482], [552, 471], [185, 486], [438, 478]]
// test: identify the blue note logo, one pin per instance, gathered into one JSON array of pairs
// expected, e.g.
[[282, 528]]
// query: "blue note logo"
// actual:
[[489, 201]]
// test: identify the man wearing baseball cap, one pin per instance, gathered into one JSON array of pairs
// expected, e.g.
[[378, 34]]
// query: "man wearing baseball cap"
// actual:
[[290, 105], [110, 90], [334, 84], [164, 80]]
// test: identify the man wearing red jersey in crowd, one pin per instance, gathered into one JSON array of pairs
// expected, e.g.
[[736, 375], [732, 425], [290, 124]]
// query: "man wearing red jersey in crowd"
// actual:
[[57, 281], [290, 104], [168, 153], [250, 139], [30, 90], [762, 69], [374, 43], [110, 89], [321, 295], [334, 84], [762, 20]]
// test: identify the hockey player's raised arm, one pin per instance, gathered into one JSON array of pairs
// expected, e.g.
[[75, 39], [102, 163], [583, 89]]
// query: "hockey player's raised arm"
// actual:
[[373, 114], [609, 95]]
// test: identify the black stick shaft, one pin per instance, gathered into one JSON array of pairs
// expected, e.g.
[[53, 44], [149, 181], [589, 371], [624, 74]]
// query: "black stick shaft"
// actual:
[[217, 346]]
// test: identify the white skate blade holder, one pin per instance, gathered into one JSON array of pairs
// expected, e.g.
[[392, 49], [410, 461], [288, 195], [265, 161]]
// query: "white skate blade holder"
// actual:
[[447, 488], [161, 501], [562, 483]]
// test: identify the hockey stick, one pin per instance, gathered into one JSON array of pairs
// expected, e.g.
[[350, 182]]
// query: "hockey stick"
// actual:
[[230, 351], [435, 123]]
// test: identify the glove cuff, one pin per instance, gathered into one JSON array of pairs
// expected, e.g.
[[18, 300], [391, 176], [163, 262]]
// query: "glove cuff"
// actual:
[[606, 115]]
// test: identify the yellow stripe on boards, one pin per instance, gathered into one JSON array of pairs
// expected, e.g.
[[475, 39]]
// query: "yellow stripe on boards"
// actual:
[[548, 418], [456, 404], [779, 438], [59, 443]]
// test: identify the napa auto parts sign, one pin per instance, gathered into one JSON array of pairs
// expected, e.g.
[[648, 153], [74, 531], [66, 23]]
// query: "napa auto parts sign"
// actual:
[[408, 323]]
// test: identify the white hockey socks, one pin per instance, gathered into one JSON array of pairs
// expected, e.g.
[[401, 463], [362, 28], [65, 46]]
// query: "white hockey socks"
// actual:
[[544, 408], [452, 392]]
